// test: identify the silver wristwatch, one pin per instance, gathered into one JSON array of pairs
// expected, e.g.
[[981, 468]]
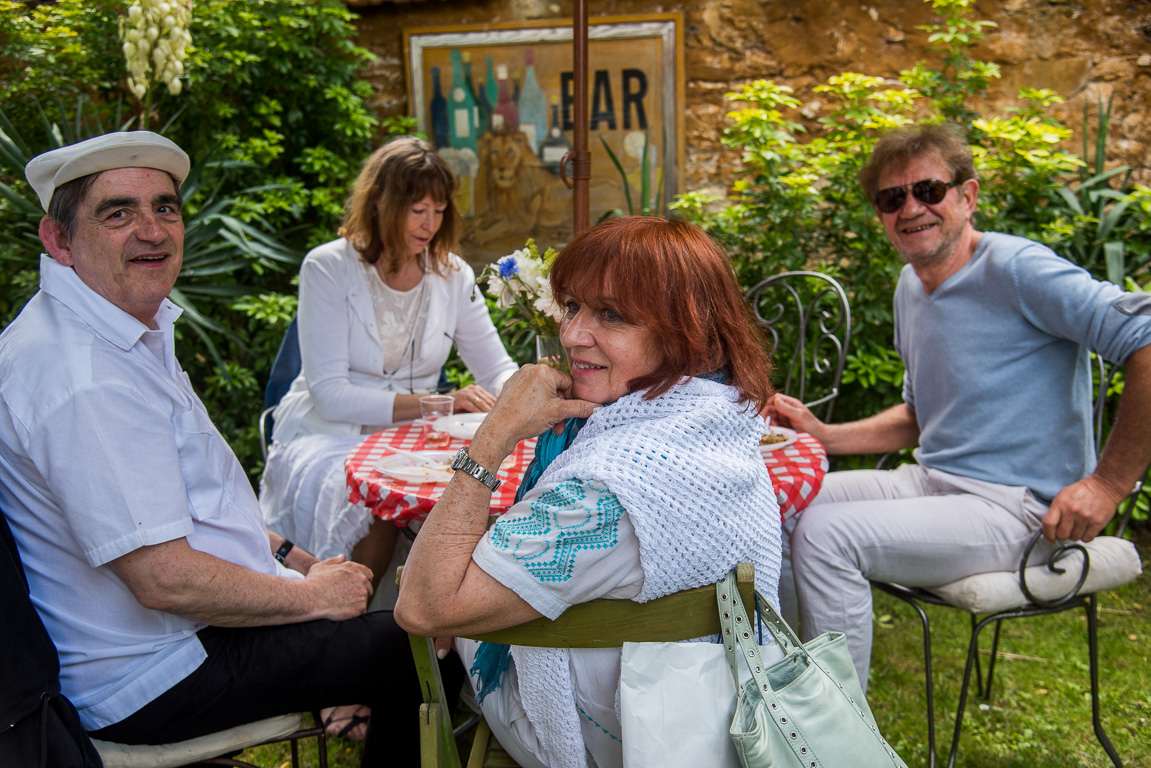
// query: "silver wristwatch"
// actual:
[[465, 463]]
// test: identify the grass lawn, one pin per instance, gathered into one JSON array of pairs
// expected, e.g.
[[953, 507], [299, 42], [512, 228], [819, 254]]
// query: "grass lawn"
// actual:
[[1039, 714]]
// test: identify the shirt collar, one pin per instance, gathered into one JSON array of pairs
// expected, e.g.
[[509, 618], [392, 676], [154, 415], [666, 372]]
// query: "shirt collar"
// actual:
[[112, 323]]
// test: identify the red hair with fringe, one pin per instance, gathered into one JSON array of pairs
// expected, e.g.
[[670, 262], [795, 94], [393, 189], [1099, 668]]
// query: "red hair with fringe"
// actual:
[[669, 276]]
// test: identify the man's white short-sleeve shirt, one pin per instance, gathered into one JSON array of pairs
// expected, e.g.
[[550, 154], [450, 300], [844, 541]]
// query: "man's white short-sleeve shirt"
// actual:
[[105, 448]]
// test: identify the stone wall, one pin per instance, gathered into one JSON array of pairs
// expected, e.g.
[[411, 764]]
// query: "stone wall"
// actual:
[[1077, 48]]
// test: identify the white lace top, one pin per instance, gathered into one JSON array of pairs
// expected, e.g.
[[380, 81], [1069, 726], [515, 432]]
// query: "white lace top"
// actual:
[[397, 317]]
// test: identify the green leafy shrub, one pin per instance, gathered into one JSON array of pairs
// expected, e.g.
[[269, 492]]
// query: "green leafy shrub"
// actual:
[[797, 203], [271, 109]]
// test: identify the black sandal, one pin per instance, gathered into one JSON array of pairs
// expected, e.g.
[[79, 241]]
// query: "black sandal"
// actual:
[[350, 723]]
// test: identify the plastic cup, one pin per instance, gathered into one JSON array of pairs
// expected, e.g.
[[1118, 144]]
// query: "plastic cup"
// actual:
[[434, 407]]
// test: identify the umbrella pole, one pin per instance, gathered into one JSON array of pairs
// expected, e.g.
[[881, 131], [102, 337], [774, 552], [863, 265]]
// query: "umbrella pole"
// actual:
[[581, 160]]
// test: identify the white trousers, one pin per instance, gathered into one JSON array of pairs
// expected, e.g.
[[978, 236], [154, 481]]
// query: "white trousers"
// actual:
[[504, 712], [913, 526]]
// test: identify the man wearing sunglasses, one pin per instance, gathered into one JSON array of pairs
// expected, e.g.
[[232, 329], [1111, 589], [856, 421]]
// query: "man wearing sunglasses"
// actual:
[[994, 332]]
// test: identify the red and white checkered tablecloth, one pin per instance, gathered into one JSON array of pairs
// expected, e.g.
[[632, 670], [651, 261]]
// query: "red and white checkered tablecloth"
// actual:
[[797, 473], [393, 499]]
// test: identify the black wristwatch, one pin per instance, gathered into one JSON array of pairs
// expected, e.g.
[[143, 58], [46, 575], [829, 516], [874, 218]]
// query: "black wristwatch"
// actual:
[[283, 551], [464, 463]]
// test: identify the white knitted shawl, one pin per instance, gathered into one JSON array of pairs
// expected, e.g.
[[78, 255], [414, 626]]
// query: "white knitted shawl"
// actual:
[[686, 466]]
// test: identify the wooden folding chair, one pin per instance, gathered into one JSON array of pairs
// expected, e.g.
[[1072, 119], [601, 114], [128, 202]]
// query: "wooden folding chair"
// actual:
[[598, 624]]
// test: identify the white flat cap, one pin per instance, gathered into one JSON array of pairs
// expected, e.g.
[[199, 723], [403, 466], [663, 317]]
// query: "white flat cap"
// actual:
[[125, 149]]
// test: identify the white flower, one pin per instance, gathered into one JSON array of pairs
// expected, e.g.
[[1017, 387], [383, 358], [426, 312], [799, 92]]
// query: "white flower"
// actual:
[[506, 298], [155, 37], [531, 271], [519, 281], [546, 303]]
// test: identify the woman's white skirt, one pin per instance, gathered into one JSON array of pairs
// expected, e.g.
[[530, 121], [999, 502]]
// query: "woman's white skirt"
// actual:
[[304, 495]]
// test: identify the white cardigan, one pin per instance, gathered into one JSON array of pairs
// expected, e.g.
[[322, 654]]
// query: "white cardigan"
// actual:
[[342, 386]]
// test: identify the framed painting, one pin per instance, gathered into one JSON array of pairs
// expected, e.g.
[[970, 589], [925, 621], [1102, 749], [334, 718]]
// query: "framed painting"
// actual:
[[497, 101]]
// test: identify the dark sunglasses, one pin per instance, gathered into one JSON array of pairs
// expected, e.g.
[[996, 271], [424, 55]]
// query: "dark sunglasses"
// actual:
[[928, 192]]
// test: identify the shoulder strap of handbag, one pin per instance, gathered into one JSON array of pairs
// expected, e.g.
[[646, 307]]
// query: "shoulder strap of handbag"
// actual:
[[733, 617]]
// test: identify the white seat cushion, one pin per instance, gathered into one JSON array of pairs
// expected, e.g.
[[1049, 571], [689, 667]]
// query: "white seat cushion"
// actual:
[[200, 748], [1114, 562]]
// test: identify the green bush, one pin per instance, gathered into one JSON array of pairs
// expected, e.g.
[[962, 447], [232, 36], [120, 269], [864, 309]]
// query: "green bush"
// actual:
[[797, 203], [272, 112]]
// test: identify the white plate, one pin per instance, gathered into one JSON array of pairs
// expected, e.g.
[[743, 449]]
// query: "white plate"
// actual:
[[461, 425], [788, 433], [437, 470]]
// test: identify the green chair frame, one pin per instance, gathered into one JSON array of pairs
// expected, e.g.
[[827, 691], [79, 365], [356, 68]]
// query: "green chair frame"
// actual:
[[596, 624]]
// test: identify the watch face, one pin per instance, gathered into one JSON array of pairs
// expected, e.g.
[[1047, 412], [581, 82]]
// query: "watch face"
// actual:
[[461, 457], [465, 463]]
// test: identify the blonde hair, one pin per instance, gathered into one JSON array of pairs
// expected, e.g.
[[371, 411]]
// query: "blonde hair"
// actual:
[[395, 177]]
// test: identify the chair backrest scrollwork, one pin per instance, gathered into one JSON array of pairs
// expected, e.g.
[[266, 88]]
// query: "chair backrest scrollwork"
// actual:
[[807, 318]]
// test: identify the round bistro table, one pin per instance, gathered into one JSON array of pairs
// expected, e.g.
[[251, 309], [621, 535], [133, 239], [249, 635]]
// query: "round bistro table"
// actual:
[[797, 472]]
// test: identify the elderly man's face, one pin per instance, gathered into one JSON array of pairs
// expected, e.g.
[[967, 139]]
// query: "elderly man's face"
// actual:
[[926, 235], [129, 240]]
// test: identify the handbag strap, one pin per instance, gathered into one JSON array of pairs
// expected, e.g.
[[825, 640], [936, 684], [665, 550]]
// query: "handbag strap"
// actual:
[[784, 635], [737, 632], [729, 601]]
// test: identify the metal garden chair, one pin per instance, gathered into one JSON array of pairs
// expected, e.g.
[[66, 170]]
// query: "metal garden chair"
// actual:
[[1070, 579], [285, 369], [809, 310]]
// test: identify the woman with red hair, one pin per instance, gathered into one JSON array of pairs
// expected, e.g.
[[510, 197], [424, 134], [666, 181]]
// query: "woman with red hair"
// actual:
[[648, 480]]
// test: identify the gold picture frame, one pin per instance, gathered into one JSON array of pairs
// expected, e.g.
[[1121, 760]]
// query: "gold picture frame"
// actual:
[[496, 100]]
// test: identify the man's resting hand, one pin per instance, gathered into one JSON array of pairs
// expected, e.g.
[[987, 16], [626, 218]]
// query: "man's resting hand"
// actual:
[[1081, 510], [343, 588]]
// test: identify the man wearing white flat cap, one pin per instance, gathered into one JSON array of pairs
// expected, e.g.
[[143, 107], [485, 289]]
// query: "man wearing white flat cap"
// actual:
[[174, 611]]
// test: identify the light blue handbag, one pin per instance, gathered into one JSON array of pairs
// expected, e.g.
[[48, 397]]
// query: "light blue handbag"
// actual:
[[806, 711]]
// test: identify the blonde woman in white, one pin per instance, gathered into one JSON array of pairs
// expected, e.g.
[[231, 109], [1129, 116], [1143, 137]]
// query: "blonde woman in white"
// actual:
[[380, 309]]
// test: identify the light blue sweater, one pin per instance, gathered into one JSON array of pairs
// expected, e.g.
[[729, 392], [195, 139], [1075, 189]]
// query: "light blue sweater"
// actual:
[[997, 367]]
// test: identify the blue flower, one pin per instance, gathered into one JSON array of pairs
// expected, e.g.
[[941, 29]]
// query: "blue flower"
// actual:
[[508, 266]]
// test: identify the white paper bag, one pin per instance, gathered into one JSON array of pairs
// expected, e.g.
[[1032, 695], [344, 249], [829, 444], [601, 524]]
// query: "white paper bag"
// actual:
[[676, 704]]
